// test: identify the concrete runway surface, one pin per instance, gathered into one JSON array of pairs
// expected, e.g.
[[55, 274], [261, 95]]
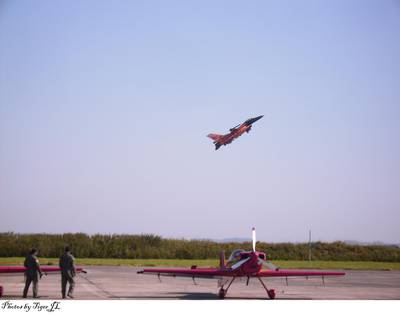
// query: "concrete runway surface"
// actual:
[[106, 282]]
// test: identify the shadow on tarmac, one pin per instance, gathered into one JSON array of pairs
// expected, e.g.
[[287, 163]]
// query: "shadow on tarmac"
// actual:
[[198, 296]]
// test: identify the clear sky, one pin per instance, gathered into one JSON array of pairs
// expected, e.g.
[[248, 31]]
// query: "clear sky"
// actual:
[[105, 107]]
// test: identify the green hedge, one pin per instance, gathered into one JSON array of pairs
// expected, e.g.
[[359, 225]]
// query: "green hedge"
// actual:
[[155, 247]]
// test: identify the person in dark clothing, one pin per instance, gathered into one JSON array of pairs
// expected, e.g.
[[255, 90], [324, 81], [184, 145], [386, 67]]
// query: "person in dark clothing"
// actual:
[[32, 273], [68, 272]]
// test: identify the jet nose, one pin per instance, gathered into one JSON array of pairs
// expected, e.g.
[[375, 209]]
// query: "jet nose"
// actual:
[[254, 119]]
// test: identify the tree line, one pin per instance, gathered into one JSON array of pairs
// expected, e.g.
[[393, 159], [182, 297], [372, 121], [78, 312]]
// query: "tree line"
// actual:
[[149, 246]]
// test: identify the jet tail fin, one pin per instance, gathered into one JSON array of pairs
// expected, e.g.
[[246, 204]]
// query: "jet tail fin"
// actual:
[[222, 265], [215, 137]]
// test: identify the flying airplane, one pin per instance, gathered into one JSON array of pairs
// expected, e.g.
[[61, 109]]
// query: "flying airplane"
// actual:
[[20, 270], [234, 132], [248, 264]]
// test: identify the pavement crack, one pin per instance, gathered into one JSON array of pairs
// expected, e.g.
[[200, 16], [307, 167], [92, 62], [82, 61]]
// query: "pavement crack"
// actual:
[[107, 293]]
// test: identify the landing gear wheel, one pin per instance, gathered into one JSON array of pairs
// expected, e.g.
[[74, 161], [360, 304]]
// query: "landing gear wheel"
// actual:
[[221, 294], [271, 294], [1, 291]]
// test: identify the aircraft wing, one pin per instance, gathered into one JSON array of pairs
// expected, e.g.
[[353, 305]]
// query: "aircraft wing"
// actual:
[[206, 273], [21, 269], [293, 273], [217, 273]]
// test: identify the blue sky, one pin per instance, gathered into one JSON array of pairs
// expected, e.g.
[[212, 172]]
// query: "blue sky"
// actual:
[[105, 108]]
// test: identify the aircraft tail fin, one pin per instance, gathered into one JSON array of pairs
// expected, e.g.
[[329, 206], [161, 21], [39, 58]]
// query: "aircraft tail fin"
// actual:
[[215, 137], [222, 265]]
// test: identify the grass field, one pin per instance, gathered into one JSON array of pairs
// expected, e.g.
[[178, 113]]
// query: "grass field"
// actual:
[[348, 265]]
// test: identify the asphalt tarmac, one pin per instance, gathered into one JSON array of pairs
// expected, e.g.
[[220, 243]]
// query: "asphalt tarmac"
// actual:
[[106, 282]]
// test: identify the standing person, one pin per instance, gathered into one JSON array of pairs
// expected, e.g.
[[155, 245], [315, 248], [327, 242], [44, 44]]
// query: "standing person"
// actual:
[[67, 272], [32, 273]]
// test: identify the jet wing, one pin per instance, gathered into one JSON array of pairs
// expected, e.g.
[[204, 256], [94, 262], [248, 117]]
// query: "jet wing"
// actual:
[[293, 273], [206, 273]]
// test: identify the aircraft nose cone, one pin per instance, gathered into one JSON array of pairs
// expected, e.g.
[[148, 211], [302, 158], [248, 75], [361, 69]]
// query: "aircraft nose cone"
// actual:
[[254, 119]]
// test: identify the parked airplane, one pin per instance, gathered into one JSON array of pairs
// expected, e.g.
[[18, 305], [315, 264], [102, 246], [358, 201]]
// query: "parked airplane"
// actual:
[[234, 132], [241, 263]]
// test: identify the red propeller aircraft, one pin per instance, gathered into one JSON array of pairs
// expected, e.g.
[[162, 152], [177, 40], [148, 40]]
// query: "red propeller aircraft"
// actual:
[[235, 132], [241, 263], [19, 270]]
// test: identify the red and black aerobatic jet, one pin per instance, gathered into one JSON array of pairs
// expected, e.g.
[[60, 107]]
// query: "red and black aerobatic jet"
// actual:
[[234, 132], [247, 264]]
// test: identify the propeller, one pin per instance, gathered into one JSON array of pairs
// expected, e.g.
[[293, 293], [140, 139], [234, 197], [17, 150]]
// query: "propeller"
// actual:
[[268, 264], [254, 239], [239, 263]]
